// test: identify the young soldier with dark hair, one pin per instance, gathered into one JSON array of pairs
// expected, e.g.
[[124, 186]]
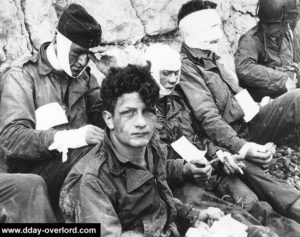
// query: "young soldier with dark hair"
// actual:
[[121, 183]]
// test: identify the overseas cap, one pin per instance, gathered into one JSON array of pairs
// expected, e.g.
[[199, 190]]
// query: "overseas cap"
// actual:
[[80, 27]]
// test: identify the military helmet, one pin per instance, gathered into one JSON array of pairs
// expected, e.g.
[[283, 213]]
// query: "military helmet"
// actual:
[[270, 11]]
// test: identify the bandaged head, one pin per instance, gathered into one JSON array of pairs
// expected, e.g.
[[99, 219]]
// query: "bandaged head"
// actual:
[[75, 26], [164, 58], [201, 29]]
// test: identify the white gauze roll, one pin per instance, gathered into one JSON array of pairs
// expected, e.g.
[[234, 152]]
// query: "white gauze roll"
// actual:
[[200, 28]]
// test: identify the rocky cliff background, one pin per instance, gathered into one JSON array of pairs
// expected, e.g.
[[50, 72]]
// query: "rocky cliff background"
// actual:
[[128, 25]]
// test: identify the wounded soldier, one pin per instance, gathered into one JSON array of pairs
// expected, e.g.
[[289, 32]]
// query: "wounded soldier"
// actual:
[[218, 104], [121, 183]]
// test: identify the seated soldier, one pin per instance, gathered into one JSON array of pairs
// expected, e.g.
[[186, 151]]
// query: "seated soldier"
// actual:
[[211, 93], [24, 199], [121, 183], [175, 119], [50, 103], [265, 59]]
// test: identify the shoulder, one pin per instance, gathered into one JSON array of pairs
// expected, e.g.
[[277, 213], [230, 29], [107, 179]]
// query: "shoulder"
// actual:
[[92, 161], [251, 35], [19, 64], [19, 68]]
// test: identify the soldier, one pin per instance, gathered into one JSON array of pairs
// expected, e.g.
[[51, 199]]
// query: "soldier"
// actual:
[[266, 61], [51, 103]]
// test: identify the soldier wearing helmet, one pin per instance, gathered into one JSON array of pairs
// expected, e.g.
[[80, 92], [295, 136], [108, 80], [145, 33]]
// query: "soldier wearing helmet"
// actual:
[[265, 60]]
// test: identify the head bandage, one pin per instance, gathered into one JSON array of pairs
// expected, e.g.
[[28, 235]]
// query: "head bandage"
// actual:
[[162, 57], [63, 49], [200, 28]]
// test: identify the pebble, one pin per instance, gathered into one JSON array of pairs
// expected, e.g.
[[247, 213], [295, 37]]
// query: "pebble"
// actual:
[[286, 165]]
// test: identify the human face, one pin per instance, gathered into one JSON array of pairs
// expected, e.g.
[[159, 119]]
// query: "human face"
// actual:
[[132, 124], [275, 29], [169, 79], [78, 59]]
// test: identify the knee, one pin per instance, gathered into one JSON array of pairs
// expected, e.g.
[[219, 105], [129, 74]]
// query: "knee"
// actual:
[[29, 182], [237, 192]]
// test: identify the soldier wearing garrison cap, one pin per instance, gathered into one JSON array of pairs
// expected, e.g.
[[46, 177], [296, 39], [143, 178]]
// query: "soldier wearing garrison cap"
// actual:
[[50, 105]]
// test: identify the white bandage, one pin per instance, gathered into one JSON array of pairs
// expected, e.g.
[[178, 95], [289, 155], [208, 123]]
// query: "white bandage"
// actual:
[[63, 140], [200, 28], [162, 57], [63, 50]]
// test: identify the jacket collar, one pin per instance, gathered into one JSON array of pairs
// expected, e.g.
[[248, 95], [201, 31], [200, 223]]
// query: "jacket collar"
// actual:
[[204, 58], [44, 66], [135, 175], [174, 101], [116, 163]]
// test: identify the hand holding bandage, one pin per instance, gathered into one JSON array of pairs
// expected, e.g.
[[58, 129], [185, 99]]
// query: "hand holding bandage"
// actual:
[[197, 170], [76, 138]]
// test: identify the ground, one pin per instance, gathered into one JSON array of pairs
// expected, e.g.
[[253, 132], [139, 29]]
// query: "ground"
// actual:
[[286, 165]]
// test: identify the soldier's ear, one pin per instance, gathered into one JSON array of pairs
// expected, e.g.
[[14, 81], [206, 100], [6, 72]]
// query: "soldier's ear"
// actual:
[[108, 118]]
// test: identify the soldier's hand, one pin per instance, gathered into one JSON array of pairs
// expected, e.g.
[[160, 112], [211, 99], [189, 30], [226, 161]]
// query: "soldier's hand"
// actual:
[[212, 213], [233, 163], [260, 154], [103, 58], [197, 170], [93, 135]]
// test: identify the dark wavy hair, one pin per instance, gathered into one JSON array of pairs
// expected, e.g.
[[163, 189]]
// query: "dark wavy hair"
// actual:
[[193, 6], [129, 79]]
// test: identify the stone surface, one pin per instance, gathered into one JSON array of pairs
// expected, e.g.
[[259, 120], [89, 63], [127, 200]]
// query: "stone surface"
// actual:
[[235, 26], [40, 20], [158, 16], [14, 40], [245, 6]]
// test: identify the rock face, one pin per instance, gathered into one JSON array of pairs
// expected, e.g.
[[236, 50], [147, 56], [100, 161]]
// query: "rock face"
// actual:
[[40, 20], [14, 38], [158, 16], [26, 24]]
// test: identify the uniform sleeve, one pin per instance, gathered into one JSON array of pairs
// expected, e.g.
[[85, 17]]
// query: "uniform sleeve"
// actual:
[[205, 110], [83, 200], [18, 137], [252, 74], [96, 206], [174, 172]]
